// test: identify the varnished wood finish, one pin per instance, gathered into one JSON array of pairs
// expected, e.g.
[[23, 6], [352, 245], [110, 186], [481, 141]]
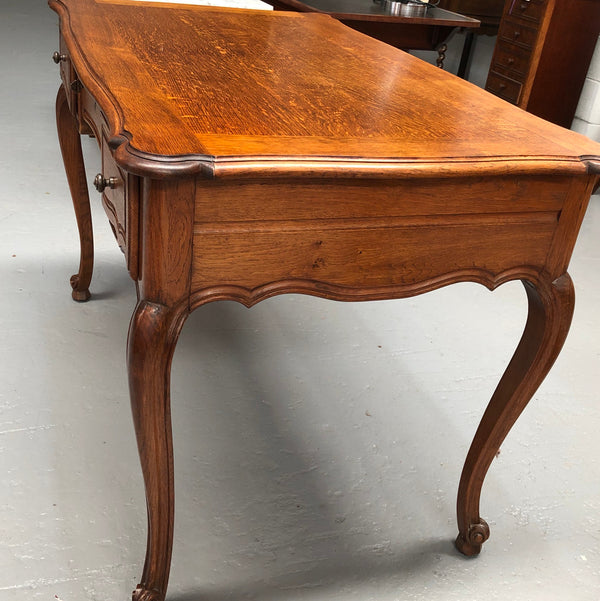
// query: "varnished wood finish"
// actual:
[[542, 55], [256, 154], [550, 311], [152, 337]]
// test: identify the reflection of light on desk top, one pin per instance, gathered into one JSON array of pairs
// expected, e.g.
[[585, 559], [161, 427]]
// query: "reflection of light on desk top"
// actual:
[[256, 4]]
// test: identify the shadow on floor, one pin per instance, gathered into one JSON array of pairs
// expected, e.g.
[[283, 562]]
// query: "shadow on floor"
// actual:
[[335, 574]]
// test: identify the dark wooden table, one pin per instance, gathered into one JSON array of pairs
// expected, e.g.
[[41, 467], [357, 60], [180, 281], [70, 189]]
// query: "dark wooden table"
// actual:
[[428, 32], [247, 154]]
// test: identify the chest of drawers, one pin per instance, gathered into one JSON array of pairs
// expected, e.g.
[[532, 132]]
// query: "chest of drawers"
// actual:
[[542, 55]]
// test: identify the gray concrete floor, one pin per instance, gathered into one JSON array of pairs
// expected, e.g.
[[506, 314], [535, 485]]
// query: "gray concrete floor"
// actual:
[[318, 444]]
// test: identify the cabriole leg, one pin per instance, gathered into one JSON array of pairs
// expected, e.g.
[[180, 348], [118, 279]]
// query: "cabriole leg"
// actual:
[[70, 146], [550, 311], [152, 337]]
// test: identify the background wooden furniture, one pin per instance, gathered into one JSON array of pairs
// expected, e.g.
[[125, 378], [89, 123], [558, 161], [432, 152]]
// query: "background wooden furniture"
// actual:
[[542, 55], [488, 12], [247, 154], [429, 32]]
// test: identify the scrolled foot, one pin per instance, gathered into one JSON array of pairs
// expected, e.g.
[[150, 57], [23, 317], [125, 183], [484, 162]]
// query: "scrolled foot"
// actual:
[[142, 594], [79, 295], [470, 543]]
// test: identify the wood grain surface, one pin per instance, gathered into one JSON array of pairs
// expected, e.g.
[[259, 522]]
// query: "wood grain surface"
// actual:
[[229, 91]]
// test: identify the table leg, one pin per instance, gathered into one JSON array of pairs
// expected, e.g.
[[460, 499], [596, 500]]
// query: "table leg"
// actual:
[[70, 146], [439, 61], [466, 55], [153, 334], [550, 311]]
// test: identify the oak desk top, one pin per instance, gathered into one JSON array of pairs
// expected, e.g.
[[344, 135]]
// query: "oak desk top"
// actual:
[[247, 154], [230, 91]]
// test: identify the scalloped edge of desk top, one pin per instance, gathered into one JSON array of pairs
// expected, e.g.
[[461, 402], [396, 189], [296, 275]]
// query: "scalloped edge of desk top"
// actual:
[[557, 151]]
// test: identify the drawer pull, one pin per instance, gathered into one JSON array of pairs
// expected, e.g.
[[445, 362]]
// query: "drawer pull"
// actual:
[[517, 35], [101, 182], [57, 57], [511, 61]]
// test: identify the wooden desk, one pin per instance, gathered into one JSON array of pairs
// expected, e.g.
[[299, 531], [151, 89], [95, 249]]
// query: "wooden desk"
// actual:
[[429, 32], [247, 154], [542, 55]]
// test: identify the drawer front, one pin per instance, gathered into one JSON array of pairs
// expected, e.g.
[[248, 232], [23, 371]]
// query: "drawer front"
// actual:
[[114, 199], [512, 60], [91, 115], [528, 10], [504, 87], [518, 34], [68, 76], [121, 204]]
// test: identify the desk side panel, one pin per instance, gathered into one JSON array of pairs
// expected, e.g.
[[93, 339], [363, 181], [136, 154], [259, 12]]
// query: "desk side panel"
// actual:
[[358, 241]]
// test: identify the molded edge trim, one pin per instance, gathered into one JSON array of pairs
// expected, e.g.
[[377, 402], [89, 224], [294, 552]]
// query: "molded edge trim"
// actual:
[[250, 297], [245, 167]]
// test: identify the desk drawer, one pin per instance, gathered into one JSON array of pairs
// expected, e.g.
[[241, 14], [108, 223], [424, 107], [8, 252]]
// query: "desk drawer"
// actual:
[[515, 33], [121, 204], [530, 10], [512, 60], [114, 199], [504, 87], [91, 116], [68, 76]]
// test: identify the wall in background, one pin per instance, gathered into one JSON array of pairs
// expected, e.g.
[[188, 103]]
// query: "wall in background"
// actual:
[[587, 116]]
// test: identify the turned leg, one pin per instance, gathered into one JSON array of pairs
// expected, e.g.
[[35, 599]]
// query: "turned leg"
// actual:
[[439, 61], [152, 337], [550, 311], [70, 146]]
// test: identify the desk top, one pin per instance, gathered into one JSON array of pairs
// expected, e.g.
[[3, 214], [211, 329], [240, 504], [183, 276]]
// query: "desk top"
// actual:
[[230, 92]]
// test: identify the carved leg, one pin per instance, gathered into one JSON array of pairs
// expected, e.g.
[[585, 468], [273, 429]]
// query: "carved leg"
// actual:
[[70, 146], [550, 311], [152, 337]]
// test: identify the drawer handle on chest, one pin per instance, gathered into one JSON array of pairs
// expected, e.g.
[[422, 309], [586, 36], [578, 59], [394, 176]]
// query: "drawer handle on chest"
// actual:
[[101, 182], [57, 57]]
